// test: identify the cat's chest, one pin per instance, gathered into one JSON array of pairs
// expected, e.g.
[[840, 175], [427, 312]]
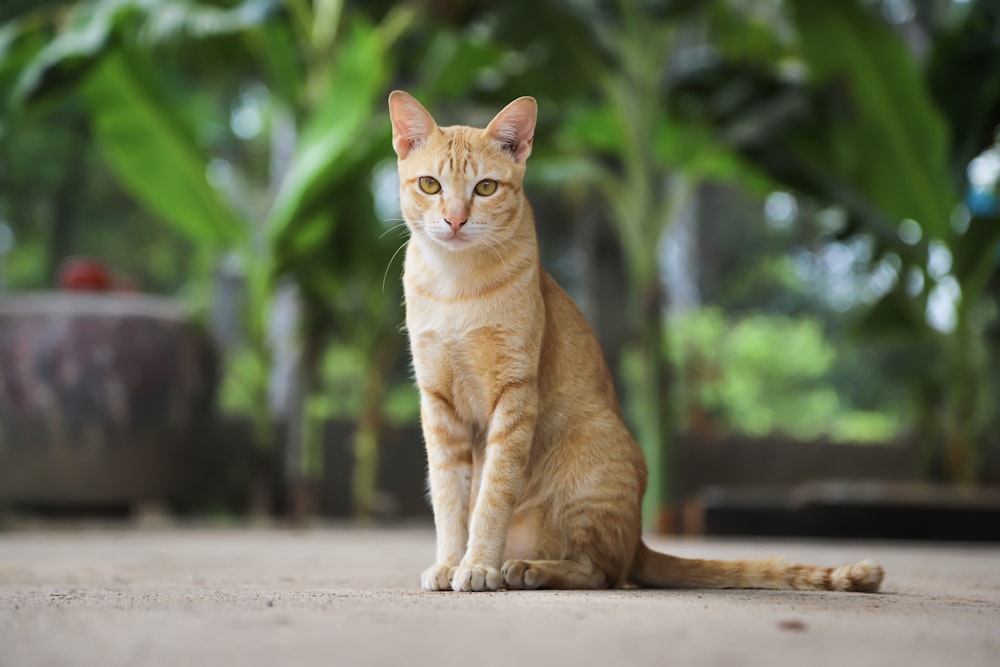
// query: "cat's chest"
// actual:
[[449, 319], [453, 298], [464, 369], [466, 346], [468, 356], [465, 330]]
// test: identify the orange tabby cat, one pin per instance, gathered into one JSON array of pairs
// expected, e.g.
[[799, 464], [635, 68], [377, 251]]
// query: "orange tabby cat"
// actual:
[[535, 480]]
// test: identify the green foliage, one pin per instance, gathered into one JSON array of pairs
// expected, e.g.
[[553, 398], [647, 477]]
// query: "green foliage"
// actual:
[[22, 267], [822, 98], [963, 75], [356, 81], [330, 67], [454, 61], [154, 156], [763, 374], [244, 373], [343, 370], [864, 128], [858, 128], [87, 29], [892, 144]]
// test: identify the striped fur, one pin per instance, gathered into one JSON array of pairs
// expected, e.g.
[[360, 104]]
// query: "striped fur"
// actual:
[[535, 481]]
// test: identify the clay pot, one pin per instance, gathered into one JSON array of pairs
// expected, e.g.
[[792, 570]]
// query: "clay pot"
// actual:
[[103, 398]]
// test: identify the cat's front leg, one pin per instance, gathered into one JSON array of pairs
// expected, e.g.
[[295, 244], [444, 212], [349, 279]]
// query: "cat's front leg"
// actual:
[[508, 444], [449, 463]]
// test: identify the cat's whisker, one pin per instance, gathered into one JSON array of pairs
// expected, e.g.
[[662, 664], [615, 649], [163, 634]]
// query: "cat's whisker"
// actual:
[[496, 243], [499, 247], [392, 229], [491, 246], [497, 250], [385, 275]]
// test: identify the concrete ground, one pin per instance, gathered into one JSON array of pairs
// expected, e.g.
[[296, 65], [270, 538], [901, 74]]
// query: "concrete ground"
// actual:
[[330, 596]]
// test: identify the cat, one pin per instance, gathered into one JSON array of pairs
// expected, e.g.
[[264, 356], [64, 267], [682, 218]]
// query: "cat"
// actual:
[[535, 481]]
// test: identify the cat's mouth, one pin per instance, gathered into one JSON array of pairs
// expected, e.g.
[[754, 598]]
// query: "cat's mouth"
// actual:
[[453, 240]]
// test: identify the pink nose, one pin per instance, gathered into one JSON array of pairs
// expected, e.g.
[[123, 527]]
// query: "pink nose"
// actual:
[[456, 222]]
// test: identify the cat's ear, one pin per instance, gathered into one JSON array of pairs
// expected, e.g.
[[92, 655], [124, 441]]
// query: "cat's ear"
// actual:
[[411, 124], [514, 127]]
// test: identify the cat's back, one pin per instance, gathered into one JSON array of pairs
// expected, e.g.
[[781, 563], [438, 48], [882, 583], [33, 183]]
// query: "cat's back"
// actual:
[[582, 422], [571, 363]]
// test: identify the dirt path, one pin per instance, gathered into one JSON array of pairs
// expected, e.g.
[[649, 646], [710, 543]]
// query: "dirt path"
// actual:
[[349, 597]]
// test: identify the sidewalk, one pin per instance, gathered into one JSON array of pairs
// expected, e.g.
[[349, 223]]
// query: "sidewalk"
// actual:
[[190, 597]]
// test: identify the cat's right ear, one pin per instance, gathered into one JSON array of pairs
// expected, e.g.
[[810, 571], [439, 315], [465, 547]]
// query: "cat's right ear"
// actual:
[[411, 124], [514, 127]]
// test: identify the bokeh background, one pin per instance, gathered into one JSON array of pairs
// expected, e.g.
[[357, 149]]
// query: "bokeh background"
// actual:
[[780, 217]]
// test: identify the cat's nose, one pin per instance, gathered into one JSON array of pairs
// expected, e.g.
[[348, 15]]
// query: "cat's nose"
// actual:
[[456, 222]]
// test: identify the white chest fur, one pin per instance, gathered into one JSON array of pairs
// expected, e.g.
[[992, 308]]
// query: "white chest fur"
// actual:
[[466, 339]]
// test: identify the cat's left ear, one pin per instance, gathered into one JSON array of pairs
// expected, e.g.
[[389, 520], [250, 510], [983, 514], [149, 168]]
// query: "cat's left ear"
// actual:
[[514, 127], [411, 123]]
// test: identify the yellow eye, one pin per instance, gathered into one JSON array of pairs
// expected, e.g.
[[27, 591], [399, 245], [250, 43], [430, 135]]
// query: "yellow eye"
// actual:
[[486, 187], [429, 185]]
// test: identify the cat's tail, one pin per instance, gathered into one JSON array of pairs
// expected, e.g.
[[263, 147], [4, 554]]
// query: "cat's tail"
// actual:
[[651, 569]]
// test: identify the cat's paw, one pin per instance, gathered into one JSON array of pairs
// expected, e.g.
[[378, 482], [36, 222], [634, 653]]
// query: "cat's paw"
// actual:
[[437, 577], [517, 575], [476, 578]]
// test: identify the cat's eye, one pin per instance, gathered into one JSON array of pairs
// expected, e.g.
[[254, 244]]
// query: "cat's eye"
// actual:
[[429, 185], [486, 187]]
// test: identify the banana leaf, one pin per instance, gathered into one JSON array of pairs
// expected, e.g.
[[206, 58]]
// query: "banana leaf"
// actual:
[[154, 156], [334, 131], [894, 146]]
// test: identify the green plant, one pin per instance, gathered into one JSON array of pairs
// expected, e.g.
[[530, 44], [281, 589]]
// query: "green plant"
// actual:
[[864, 128], [763, 374], [328, 100]]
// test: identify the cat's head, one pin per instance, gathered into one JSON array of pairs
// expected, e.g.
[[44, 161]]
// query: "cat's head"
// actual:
[[460, 187]]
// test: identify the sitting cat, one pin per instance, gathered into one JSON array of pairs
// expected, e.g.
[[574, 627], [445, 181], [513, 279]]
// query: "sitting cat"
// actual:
[[535, 481]]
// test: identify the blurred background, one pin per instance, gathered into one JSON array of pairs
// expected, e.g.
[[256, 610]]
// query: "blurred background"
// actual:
[[780, 217]]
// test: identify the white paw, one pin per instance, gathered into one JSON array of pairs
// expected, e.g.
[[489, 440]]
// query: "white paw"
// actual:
[[437, 578], [476, 578]]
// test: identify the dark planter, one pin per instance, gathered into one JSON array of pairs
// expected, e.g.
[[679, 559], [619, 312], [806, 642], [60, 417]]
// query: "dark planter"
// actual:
[[102, 398]]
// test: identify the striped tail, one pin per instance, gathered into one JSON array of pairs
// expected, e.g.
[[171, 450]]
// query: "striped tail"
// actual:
[[651, 569]]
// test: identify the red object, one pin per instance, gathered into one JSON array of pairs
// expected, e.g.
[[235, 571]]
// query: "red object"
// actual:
[[84, 275]]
